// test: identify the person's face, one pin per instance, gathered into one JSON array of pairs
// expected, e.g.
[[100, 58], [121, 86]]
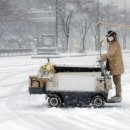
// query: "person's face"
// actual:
[[110, 38]]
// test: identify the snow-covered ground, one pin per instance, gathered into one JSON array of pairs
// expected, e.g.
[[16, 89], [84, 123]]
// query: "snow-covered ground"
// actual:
[[21, 111]]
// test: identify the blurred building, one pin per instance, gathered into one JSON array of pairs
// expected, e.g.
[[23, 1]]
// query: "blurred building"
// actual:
[[43, 22]]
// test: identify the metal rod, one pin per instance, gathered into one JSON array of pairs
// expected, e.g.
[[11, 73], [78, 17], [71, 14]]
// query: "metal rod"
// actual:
[[56, 44], [98, 27]]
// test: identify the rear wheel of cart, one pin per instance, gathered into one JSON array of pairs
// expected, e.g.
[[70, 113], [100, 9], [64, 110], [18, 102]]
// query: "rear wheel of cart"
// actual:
[[98, 101], [54, 101]]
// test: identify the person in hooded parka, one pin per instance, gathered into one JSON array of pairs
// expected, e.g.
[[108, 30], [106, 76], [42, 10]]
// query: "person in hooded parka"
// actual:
[[114, 63]]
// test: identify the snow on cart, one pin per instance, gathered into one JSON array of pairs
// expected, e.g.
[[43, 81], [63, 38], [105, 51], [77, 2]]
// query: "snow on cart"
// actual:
[[66, 85]]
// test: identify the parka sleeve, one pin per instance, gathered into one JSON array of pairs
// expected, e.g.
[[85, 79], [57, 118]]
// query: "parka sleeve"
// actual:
[[112, 50]]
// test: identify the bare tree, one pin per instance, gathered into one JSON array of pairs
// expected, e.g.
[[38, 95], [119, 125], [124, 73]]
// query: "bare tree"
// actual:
[[22, 24], [65, 22], [83, 27], [4, 13], [94, 33]]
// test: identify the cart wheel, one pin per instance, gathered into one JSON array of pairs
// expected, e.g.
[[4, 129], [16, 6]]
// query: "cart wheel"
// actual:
[[98, 101], [54, 101]]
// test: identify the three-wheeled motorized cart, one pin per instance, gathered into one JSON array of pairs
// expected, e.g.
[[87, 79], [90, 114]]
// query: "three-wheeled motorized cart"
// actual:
[[66, 85]]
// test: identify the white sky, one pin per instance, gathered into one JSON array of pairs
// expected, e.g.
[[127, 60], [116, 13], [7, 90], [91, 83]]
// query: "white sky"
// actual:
[[119, 3]]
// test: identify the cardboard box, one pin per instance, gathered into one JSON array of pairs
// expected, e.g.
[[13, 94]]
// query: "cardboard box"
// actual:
[[35, 82]]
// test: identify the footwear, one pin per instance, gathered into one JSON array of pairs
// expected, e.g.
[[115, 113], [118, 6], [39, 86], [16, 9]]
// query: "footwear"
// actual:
[[116, 98]]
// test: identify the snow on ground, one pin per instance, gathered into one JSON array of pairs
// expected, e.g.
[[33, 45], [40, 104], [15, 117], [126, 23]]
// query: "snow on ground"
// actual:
[[21, 111]]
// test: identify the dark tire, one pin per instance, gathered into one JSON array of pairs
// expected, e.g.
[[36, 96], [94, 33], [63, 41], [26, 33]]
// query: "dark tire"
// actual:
[[98, 101], [54, 101]]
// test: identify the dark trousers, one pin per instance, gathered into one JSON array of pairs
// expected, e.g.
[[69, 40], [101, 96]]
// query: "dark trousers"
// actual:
[[117, 82]]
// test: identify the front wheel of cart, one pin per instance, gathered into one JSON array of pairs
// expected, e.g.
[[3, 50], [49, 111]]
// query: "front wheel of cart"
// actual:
[[54, 101], [98, 101]]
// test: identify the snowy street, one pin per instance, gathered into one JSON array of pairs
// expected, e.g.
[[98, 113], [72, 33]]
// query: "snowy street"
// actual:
[[21, 111]]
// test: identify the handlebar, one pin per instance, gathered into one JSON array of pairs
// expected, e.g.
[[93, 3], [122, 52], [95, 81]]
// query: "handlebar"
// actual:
[[103, 68]]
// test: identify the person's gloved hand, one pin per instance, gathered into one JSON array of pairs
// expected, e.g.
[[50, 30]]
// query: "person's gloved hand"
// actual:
[[103, 57], [100, 60]]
